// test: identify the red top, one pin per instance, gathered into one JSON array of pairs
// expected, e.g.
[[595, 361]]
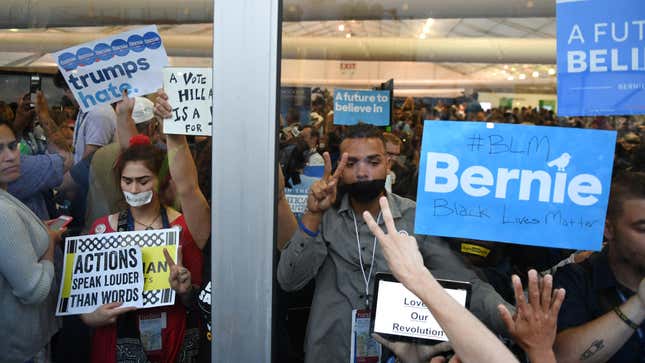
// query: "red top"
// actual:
[[172, 336]]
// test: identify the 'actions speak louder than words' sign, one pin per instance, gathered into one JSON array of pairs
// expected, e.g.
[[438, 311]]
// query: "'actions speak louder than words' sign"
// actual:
[[601, 57], [97, 72], [190, 93], [353, 106], [533, 185]]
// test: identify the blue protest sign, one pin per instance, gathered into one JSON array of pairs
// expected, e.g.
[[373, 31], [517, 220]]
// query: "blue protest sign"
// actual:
[[353, 106], [601, 57], [533, 185], [297, 195]]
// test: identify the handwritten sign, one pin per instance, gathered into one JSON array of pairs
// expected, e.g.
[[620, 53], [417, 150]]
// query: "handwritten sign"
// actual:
[[101, 277], [354, 106], [541, 186], [190, 92], [97, 72], [601, 58], [297, 196], [85, 276]]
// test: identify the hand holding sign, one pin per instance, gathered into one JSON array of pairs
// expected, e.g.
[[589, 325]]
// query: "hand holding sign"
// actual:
[[322, 193], [414, 353], [400, 249], [163, 109], [533, 326], [105, 314], [125, 106], [180, 277]]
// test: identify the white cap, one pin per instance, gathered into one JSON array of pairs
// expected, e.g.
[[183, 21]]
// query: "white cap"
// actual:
[[143, 110]]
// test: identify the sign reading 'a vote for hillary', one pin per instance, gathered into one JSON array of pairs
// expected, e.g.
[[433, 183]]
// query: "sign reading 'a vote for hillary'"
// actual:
[[533, 185], [601, 57]]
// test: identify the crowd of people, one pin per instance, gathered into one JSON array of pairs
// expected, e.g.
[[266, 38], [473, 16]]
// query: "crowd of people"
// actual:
[[113, 169]]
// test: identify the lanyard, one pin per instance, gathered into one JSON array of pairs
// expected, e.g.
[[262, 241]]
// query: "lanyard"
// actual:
[[367, 278], [639, 330], [77, 127]]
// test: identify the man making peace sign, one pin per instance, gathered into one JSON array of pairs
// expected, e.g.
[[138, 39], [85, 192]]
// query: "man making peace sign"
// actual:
[[335, 247]]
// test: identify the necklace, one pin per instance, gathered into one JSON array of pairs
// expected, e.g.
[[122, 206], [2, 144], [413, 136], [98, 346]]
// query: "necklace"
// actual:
[[147, 226]]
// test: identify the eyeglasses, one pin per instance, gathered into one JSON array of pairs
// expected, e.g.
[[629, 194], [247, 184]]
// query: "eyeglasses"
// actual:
[[13, 146]]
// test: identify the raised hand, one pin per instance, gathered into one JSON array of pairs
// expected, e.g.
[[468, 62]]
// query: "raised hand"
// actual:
[[105, 314], [163, 109], [180, 278], [534, 324], [125, 106], [322, 193], [400, 249]]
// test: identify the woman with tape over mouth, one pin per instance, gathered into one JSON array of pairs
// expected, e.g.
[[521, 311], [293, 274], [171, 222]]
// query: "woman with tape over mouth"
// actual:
[[163, 334]]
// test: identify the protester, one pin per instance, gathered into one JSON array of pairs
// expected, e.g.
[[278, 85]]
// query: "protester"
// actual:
[[28, 267], [602, 319], [93, 128], [320, 250], [116, 337]]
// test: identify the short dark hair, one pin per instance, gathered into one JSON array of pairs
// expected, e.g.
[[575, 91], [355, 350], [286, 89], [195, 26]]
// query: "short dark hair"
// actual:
[[152, 157], [59, 81], [364, 131], [625, 185]]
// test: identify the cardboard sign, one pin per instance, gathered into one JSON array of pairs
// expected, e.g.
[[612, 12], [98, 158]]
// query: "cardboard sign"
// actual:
[[297, 196], [601, 57], [354, 106], [153, 271], [533, 185], [190, 92], [97, 72], [100, 277]]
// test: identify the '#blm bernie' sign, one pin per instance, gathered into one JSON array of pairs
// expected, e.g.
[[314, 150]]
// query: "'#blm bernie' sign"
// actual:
[[601, 57], [533, 185], [353, 106], [97, 72]]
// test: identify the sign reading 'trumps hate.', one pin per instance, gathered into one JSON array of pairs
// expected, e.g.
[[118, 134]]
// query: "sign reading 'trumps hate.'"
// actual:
[[601, 57], [533, 185]]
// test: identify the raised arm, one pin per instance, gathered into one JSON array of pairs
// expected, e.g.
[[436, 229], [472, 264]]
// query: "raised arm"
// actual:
[[56, 136], [406, 263], [125, 127], [194, 205]]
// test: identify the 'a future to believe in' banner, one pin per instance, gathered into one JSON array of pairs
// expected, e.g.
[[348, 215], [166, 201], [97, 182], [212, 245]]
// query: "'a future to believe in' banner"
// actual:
[[353, 106], [601, 57], [533, 185], [97, 72]]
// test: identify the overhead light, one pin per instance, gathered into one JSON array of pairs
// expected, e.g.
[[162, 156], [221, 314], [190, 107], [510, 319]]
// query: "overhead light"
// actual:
[[341, 28], [13, 30], [505, 66], [422, 35], [348, 35], [427, 25], [513, 69], [511, 78], [551, 71], [535, 74], [522, 76]]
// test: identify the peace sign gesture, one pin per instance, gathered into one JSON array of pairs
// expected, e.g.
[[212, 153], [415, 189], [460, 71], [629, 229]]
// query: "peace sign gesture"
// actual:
[[400, 249], [179, 275], [322, 193]]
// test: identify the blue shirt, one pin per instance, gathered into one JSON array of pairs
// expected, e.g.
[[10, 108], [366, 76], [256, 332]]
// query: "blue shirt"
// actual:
[[38, 175], [592, 291]]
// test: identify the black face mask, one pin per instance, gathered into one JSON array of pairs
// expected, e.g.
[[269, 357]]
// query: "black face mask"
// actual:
[[364, 191]]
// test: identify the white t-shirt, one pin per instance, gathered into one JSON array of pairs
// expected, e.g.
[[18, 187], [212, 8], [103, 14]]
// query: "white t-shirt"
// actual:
[[95, 127]]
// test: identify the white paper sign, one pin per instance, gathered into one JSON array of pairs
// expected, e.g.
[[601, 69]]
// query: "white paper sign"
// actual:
[[101, 277], [97, 72], [154, 272], [190, 93]]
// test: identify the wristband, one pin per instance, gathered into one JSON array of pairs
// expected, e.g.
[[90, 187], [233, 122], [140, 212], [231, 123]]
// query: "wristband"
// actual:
[[625, 319], [307, 231]]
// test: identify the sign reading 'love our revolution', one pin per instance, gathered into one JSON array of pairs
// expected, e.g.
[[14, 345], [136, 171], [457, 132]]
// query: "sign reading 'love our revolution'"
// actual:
[[601, 57], [532, 185], [97, 72]]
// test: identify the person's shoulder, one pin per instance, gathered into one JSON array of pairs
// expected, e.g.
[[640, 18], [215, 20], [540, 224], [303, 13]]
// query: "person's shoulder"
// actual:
[[403, 204], [574, 275], [102, 111], [103, 224]]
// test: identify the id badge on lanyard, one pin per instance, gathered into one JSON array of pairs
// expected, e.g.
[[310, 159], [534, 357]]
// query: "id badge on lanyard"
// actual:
[[364, 348], [150, 326]]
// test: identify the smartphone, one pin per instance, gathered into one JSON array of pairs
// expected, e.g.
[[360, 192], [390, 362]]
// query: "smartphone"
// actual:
[[59, 223], [34, 86]]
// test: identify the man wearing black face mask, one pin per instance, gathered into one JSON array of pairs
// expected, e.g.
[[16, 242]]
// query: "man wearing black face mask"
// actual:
[[335, 247]]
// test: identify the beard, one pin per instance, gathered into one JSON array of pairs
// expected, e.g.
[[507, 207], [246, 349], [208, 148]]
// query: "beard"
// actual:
[[363, 191]]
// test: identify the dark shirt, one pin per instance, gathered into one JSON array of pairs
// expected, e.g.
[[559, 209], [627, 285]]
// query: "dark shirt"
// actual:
[[592, 291]]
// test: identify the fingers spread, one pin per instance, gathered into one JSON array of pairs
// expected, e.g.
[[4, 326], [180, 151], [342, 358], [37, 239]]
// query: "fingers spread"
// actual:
[[341, 166], [557, 301], [168, 258], [387, 216], [374, 227], [506, 318], [545, 299], [327, 160], [534, 290], [520, 301]]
